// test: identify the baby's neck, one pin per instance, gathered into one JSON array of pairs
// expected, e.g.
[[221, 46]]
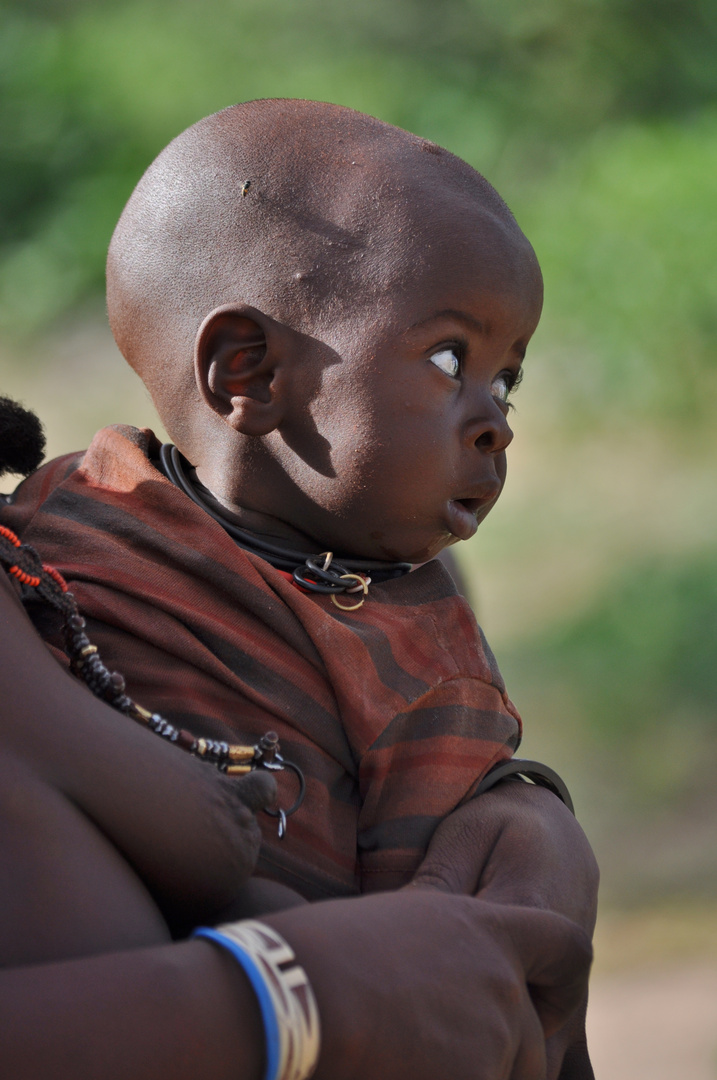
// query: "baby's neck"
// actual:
[[255, 521], [276, 540]]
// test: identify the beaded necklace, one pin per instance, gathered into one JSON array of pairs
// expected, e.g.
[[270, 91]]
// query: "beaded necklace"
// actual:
[[23, 563]]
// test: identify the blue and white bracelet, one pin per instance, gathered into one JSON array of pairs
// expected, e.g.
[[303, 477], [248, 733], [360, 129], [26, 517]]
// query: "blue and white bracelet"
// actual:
[[286, 1000]]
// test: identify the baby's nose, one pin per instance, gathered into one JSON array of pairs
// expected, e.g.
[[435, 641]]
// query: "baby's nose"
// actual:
[[489, 432]]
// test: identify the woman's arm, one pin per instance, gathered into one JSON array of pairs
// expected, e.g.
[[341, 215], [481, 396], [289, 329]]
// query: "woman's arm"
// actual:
[[519, 844], [183, 1011], [410, 987], [188, 832]]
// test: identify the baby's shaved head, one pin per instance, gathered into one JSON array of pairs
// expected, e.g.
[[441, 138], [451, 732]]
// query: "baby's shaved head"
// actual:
[[302, 209]]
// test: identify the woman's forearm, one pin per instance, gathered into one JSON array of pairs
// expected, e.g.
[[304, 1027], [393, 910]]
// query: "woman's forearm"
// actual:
[[183, 1011]]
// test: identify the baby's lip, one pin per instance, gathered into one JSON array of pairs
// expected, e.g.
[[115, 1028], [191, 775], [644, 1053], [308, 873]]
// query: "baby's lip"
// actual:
[[473, 498], [463, 512]]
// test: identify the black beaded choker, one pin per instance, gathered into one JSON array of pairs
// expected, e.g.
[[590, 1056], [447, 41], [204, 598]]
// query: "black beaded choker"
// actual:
[[316, 573]]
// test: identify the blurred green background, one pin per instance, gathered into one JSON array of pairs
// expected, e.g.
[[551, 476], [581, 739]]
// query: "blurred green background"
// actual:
[[596, 579]]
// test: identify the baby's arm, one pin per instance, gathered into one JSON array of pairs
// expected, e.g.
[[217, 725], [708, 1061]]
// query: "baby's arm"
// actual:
[[516, 844], [426, 762]]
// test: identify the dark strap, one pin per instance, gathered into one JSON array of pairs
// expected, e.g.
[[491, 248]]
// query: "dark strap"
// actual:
[[542, 775]]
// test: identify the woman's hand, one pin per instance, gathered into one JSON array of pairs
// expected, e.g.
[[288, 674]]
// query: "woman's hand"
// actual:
[[518, 844], [417, 984]]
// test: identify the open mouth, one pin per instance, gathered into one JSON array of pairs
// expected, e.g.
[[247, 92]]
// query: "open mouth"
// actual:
[[462, 517], [464, 514], [471, 505]]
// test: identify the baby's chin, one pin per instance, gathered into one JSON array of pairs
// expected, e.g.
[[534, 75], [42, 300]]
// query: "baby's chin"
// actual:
[[412, 542], [462, 519], [411, 549]]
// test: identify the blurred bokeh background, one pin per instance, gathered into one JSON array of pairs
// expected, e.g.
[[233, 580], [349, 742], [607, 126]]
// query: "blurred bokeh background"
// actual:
[[596, 578]]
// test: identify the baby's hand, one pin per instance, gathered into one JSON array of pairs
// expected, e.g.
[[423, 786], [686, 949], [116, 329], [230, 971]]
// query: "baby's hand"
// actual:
[[516, 844]]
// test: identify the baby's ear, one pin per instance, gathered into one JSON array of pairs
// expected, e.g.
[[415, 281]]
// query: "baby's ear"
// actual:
[[236, 356]]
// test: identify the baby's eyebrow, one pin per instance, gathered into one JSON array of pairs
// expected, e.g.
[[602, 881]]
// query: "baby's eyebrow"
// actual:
[[451, 313]]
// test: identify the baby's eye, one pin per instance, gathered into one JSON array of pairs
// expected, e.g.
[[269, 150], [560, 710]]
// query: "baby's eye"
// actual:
[[501, 387], [505, 385], [447, 361]]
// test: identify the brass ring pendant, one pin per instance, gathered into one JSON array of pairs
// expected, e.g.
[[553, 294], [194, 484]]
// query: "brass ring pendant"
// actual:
[[364, 592]]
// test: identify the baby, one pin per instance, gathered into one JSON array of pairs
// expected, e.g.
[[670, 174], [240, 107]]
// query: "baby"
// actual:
[[330, 315]]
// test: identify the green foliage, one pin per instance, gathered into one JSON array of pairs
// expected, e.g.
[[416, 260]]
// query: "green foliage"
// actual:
[[626, 233], [636, 667], [90, 92]]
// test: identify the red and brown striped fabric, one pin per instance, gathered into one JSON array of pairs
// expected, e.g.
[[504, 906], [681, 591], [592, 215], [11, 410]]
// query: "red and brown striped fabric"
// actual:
[[394, 712]]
